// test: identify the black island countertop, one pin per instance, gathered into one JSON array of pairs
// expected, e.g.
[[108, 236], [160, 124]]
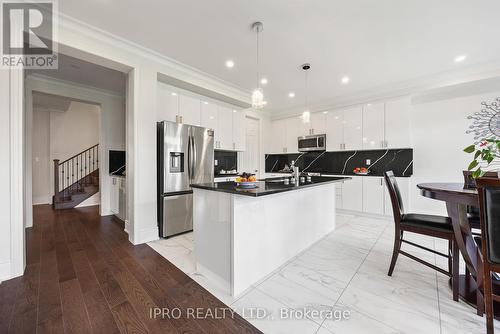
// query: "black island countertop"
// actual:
[[267, 186]]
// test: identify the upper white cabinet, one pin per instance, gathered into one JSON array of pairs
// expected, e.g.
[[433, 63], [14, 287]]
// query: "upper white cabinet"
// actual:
[[209, 116], [373, 126], [353, 128], [239, 130], [293, 132], [315, 126], [278, 135], [397, 123], [189, 110], [344, 129], [167, 104], [335, 130], [224, 132]]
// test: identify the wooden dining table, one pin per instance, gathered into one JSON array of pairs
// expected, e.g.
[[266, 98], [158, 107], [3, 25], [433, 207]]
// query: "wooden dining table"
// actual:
[[457, 199]]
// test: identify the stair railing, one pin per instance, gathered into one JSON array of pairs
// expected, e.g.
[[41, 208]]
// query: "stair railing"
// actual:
[[70, 174]]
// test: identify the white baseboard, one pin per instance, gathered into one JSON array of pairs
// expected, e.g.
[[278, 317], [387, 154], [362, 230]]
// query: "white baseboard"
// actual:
[[363, 214], [42, 200], [147, 235]]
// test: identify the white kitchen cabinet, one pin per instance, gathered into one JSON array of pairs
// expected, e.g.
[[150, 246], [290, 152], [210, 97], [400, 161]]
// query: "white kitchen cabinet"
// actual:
[[352, 194], [189, 109], [167, 103], [397, 123], [315, 126], [239, 130], [335, 130], [353, 123], [278, 135], [114, 195], [293, 132], [318, 123], [373, 125], [373, 195], [404, 188], [122, 199], [224, 134], [209, 117]]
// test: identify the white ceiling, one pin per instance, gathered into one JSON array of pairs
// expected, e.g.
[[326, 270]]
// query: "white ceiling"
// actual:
[[87, 74], [49, 102], [376, 43]]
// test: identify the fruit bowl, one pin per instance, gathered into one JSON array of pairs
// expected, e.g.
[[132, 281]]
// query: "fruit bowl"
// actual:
[[246, 180], [247, 185], [361, 171]]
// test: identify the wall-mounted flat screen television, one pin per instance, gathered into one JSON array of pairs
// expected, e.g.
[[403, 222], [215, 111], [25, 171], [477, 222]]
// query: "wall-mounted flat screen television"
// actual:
[[116, 162]]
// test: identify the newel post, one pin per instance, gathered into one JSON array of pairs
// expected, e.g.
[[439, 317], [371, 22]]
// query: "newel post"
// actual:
[[56, 180]]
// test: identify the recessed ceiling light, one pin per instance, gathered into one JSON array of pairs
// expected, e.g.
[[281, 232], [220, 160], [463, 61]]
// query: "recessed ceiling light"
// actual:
[[460, 59], [205, 102], [345, 80], [174, 93], [234, 110], [291, 94], [229, 63], [263, 81], [264, 102], [325, 112]]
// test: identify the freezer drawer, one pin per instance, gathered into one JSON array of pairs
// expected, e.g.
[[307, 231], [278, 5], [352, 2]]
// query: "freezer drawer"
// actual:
[[177, 214]]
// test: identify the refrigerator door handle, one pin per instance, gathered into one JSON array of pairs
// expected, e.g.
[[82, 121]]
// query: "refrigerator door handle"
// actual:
[[189, 152], [193, 157]]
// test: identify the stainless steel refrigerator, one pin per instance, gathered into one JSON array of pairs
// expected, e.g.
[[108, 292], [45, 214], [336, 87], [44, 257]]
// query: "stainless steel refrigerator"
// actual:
[[185, 155]]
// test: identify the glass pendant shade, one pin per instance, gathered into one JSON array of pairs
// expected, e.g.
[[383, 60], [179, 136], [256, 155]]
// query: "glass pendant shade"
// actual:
[[257, 98]]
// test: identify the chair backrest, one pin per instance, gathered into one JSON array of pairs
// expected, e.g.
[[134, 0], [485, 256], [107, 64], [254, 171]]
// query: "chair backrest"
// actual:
[[489, 204], [395, 193]]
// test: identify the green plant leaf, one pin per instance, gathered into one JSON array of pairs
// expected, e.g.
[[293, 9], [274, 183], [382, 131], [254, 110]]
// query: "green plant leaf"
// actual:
[[473, 164], [470, 149], [477, 173], [478, 153]]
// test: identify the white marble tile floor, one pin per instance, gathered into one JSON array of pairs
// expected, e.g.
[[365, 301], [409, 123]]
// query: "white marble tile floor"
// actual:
[[346, 274]]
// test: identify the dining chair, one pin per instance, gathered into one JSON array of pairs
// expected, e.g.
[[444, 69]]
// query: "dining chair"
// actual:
[[429, 225], [489, 204]]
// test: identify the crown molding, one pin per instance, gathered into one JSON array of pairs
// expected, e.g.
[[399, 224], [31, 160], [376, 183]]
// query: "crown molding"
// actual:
[[411, 87]]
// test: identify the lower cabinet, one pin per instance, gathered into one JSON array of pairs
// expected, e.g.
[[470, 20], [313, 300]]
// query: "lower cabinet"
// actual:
[[352, 194], [373, 195], [118, 197], [368, 194]]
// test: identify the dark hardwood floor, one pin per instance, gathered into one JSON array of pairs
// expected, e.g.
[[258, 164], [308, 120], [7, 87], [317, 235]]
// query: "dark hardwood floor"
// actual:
[[83, 276]]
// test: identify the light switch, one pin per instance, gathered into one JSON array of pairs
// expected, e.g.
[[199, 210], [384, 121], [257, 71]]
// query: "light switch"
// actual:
[[368, 162], [216, 163]]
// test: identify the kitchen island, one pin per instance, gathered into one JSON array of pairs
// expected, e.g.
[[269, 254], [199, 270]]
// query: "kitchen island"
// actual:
[[243, 235]]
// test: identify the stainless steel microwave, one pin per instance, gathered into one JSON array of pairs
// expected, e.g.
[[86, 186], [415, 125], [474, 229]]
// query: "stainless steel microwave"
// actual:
[[312, 143]]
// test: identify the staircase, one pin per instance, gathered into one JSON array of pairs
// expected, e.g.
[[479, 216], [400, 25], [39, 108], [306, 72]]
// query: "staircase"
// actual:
[[76, 178]]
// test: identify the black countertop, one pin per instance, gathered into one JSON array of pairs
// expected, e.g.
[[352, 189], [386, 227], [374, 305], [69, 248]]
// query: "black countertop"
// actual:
[[267, 186]]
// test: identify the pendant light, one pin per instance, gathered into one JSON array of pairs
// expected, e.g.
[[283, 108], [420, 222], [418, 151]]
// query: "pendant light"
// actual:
[[306, 115], [258, 94]]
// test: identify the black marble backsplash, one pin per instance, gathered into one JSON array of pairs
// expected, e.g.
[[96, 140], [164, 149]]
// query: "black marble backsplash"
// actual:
[[400, 161], [226, 160]]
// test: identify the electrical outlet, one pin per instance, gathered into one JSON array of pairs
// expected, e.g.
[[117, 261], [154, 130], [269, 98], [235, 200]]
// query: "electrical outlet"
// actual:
[[368, 162], [216, 162]]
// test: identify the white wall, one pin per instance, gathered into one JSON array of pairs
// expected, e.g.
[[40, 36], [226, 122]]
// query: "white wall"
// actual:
[[41, 189], [438, 139], [60, 135]]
